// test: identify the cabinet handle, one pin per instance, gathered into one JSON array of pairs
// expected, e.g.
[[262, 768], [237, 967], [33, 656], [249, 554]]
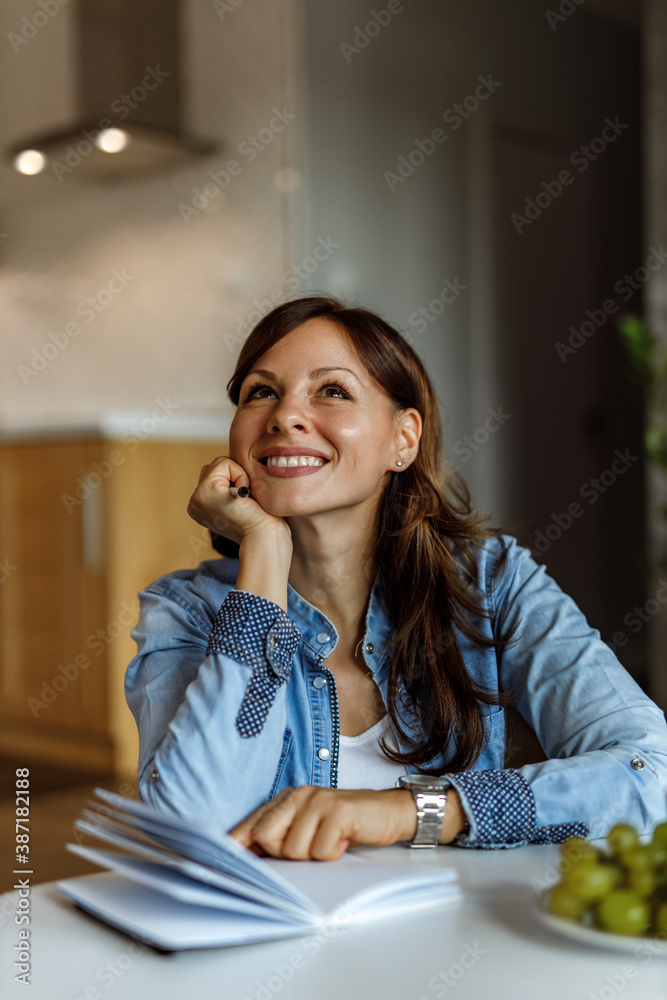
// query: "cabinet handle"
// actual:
[[91, 532]]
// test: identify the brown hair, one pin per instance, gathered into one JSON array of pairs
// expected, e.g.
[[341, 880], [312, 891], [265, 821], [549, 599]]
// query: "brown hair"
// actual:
[[425, 551]]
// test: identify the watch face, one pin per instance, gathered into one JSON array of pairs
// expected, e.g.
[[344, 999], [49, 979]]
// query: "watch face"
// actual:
[[424, 782]]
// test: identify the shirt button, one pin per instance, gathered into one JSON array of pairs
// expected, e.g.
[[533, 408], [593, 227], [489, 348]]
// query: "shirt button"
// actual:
[[323, 754], [155, 775], [369, 647], [637, 763], [319, 682], [322, 637]]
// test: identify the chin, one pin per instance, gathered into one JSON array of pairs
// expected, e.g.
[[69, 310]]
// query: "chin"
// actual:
[[292, 506]]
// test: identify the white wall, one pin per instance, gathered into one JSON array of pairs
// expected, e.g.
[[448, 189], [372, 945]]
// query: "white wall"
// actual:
[[368, 108], [163, 334], [170, 332]]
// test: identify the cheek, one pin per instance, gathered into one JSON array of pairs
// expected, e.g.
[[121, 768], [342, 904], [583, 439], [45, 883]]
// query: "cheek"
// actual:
[[240, 436], [369, 439]]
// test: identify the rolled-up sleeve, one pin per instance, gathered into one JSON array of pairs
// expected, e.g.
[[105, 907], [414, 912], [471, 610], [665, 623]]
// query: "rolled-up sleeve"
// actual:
[[207, 691], [605, 739]]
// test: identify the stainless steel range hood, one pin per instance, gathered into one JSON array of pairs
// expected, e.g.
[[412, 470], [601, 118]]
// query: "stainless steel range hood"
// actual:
[[129, 95]]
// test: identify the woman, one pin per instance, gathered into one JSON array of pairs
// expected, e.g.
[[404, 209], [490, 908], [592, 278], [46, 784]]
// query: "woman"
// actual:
[[371, 628]]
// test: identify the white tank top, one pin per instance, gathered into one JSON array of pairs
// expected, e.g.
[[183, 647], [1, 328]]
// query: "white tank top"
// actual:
[[361, 763]]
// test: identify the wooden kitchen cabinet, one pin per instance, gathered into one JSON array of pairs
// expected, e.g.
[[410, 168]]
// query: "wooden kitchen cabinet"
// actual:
[[85, 523]]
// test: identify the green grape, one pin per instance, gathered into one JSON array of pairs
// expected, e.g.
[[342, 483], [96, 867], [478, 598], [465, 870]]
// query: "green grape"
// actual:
[[637, 858], [626, 886], [661, 919], [577, 849], [623, 912], [642, 881], [563, 904], [622, 836], [590, 882], [658, 852], [660, 834]]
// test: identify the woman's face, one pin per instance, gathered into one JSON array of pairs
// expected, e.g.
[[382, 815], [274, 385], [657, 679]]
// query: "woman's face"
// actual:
[[313, 429]]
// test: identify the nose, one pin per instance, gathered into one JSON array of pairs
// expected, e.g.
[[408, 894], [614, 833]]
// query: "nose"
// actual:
[[289, 414]]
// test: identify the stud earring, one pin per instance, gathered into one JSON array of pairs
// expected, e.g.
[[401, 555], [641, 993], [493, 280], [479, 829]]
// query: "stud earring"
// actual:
[[399, 463]]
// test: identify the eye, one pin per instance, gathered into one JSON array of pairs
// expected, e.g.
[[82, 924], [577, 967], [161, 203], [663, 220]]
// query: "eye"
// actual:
[[258, 391], [335, 391]]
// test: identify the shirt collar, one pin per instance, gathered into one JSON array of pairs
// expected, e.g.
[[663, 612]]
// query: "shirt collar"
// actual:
[[318, 632]]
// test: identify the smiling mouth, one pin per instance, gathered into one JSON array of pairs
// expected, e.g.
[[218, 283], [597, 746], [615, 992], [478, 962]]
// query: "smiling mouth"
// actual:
[[292, 461]]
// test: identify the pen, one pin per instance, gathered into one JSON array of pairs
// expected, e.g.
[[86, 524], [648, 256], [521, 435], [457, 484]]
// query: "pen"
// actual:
[[239, 491]]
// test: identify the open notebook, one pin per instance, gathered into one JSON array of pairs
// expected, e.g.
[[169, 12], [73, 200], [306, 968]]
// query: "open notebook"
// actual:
[[183, 884]]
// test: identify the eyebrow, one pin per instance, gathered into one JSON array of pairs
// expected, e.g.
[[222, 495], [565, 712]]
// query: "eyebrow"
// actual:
[[315, 374]]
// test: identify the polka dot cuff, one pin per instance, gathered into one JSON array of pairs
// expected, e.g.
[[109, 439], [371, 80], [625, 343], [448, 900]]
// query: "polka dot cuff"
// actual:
[[501, 808], [257, 633]]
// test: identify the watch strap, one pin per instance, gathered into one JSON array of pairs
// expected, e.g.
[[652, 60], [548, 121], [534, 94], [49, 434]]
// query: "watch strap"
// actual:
[[430, 816], [430, 800]]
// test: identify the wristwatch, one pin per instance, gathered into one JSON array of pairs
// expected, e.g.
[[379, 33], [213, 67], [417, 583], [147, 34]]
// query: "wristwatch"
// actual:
[[430, 794]]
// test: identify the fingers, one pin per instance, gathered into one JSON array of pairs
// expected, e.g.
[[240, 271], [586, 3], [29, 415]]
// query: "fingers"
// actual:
[[289, 830], [308, 823], [212, 505], [225, 471], [243, 830], [319, 824]]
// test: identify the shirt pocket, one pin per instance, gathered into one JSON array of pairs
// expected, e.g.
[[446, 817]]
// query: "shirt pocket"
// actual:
[[493, 751], [494, 725]]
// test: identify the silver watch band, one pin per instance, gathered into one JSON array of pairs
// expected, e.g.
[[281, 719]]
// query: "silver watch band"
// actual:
[[430, 816]]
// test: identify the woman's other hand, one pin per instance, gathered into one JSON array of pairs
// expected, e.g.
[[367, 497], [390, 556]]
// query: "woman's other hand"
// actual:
[[319, 824]]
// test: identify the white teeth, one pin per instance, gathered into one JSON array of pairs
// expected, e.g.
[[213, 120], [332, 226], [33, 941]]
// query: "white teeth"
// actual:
[[282, 462]]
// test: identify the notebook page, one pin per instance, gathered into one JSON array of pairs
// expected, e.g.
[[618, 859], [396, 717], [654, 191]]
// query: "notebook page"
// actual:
[[141, 912], [177, 885], [203, 842]]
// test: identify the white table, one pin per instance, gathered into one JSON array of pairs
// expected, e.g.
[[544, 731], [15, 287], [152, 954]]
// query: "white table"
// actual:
[[490, 946]]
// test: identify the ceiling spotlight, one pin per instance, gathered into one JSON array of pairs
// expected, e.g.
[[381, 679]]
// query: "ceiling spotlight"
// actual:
[[29, 161], [112, 140]]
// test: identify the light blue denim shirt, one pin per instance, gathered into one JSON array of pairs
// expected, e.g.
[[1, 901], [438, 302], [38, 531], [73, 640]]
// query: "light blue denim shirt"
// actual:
[[234, 702]]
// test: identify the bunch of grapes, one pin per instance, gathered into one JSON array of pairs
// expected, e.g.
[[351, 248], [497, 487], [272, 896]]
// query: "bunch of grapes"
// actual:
[[622, 890]]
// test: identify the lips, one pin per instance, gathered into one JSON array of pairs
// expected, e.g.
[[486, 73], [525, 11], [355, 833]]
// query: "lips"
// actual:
[[288, 452]]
